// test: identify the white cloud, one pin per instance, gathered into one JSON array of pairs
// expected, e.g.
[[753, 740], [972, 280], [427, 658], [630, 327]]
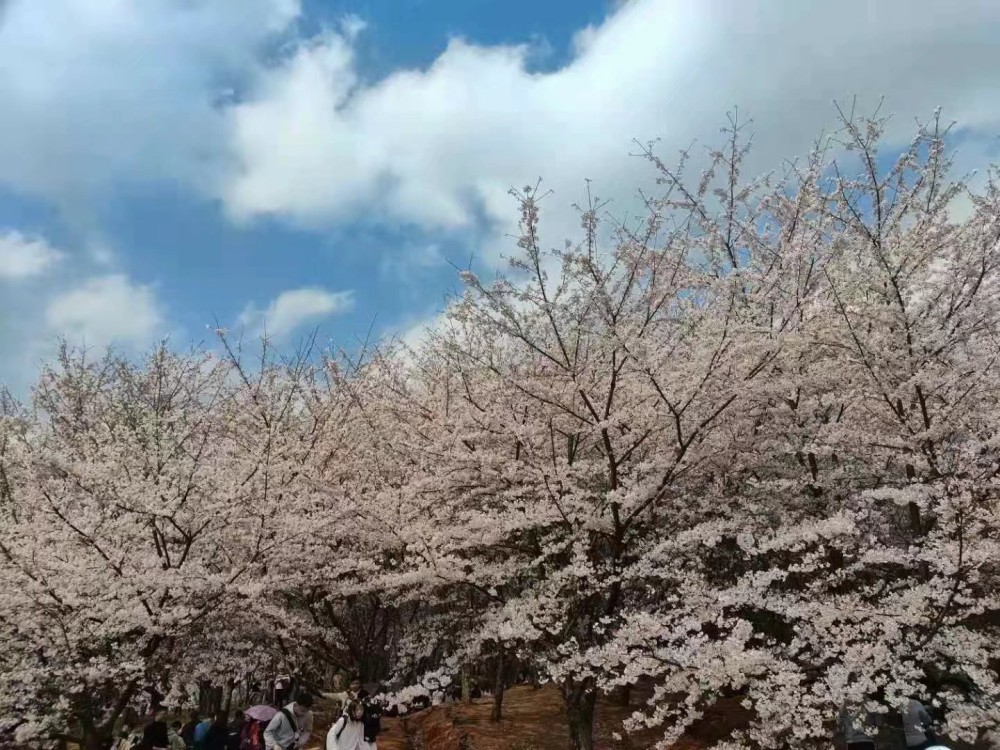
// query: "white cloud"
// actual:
[[352, 25], [99, 93], [106, 310], [179, 91], [22, 256], [411, 263], [441, 146], [412, 331], [296, 307]]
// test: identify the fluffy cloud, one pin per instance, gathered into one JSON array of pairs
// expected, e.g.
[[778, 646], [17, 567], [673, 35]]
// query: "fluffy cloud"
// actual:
[[106, 310], [296, 307], [441, 146], [98, 96], [99, 93], [410, 264], [22, 256]]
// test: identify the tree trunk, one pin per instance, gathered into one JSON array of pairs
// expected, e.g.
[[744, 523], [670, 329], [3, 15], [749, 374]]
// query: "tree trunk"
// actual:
[[204, 698], [624, 696], [498, 685], [580, 699], [466, 685], [93, 740], [228, 705]]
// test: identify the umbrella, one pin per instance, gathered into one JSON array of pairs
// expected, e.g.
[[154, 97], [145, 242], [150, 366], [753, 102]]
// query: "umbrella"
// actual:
[[261, 713]]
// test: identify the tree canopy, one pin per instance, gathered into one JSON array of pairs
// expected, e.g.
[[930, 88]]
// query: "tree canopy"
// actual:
[[743, 446]]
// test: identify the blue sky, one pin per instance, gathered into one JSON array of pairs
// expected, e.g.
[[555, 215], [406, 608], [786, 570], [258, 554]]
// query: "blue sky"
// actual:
[[167, 164]]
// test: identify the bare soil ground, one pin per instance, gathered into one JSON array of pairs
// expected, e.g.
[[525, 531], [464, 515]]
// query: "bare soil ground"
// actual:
[[533, 720]]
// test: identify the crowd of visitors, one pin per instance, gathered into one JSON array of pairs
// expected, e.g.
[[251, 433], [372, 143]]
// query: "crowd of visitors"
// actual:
[[282, 724], [273, 726], [210, 733]]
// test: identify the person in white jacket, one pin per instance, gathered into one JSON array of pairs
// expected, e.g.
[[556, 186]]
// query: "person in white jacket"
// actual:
[[348, 732]]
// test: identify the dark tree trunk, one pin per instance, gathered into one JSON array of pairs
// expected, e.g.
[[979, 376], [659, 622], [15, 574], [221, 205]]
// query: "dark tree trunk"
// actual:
[[227, 706], [624, 695], [580, 700], [466, 685], [204, 698], [98, 736], [93, 739], [514, 669], [498, 686]]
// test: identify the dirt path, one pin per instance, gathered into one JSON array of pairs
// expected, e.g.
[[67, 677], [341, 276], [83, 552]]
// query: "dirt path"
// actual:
[[393, 736], [535, 720]]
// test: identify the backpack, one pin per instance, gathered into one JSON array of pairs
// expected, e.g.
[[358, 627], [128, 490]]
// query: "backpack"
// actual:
[[252, 735], [372, 720]]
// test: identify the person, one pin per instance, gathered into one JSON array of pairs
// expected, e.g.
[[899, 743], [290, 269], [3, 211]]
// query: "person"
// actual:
[[154, 703], [129, 738], [355, 692], [373, 713], [917, 726], [291, 726], [216, 735], [257, 694], [348, 732], [282, 688], [200, 732], [372, 721], [122, 728], [235, 731], [123, 732], [174, 736], [855, 735], [154, 736], [187, 731]]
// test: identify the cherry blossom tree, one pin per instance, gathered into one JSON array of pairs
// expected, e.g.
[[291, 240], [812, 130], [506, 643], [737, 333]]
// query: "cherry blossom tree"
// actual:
[[709, 454], [853, 560], [556, 425], [744, 448], [134, 510]]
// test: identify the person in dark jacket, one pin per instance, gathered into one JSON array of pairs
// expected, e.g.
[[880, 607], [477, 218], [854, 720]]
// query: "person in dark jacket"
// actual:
[[372, 720], [154, 736], [187, 731], [235, 730], [217, 735]]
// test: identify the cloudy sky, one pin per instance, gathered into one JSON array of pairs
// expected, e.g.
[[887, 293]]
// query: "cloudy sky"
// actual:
[[169, 164]]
